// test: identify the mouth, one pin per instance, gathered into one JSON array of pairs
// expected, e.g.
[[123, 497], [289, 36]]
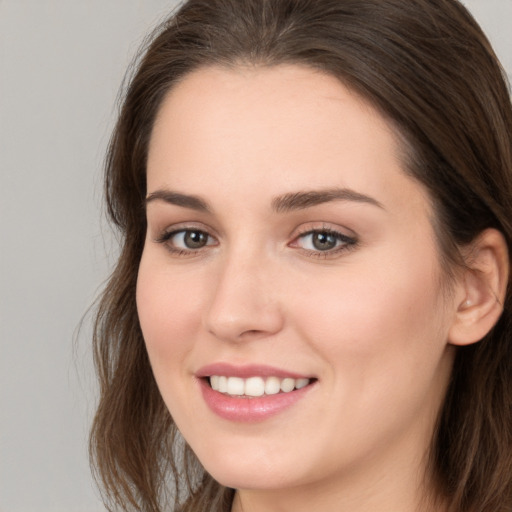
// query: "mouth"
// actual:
[[252, 393], [254, 387]]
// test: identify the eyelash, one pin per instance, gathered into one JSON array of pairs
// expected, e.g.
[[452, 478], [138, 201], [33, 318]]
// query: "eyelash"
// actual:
[[344, 242], [166, 237]]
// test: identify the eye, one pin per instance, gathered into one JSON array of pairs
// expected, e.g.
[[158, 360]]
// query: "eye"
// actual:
[[186, 240], [324, 241]]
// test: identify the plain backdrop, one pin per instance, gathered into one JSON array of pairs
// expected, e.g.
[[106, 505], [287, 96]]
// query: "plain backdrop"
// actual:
[[61, 65]]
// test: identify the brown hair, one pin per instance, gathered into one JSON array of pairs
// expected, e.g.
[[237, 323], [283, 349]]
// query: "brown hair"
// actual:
[[427, 66]]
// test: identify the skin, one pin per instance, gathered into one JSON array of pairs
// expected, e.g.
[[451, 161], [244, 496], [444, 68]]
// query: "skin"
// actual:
[[370, 320]]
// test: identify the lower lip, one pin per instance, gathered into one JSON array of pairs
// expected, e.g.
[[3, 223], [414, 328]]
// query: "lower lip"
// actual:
[[249, 410]]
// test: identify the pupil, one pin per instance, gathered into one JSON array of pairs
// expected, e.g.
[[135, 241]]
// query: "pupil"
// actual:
[[324, 241], [195, 239]]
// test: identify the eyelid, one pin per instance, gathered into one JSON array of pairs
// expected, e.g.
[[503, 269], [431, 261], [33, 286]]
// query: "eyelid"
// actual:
[[165, 235], [170, 234], [347, 238], [315, 227], [162, 230], [350, 240]]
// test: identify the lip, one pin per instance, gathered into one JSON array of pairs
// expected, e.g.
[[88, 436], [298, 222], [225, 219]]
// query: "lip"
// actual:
[[253, 409], [246, 371]]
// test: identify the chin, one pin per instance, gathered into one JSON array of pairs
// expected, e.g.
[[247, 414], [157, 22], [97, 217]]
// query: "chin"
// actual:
[[251, 479], [250, 473]]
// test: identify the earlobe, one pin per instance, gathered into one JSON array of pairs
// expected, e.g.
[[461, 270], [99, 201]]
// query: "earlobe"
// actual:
[[483, 287]]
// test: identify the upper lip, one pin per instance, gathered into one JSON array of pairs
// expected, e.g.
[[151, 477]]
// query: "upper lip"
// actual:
[[246, 371]]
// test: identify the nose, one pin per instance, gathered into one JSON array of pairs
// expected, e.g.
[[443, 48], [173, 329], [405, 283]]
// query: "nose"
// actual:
[[244, 303]]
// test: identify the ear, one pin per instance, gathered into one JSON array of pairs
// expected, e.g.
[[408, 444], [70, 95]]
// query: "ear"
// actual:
[[482, 288]]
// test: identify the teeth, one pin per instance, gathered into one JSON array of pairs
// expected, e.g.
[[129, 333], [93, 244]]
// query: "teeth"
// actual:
[[223, 384], [214, 381], [255, 386], [301, 383], [272, 386], [287, 385], [236, 386]]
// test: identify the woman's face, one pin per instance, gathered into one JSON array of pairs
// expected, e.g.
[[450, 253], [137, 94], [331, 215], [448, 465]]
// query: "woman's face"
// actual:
[[291, 263]]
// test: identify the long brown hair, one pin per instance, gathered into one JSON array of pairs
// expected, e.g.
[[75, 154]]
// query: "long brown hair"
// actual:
[[429, 69]]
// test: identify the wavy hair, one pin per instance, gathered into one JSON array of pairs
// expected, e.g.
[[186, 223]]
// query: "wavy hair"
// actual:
[[428, 68]]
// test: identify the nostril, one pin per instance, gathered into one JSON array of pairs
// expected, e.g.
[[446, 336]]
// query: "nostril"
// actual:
[[251, 333]]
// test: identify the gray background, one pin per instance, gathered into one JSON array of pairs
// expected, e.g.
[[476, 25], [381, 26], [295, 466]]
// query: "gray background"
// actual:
[[61, 64]]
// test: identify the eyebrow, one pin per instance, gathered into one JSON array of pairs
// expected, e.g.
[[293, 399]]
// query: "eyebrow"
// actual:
[[307, 199], [281, 204], [183, 200]]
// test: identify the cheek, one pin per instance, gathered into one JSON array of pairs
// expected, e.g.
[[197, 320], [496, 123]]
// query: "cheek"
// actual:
[[168, 310], [377, 314], [383, 334]]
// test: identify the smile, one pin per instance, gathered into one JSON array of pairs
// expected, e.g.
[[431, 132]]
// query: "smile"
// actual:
[[251, 393], [256, 386]]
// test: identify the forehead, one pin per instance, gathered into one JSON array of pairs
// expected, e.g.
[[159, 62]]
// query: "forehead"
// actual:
[[265, 98], [286, 127]]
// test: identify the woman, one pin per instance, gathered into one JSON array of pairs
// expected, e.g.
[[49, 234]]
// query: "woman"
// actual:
[[315, 203]]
